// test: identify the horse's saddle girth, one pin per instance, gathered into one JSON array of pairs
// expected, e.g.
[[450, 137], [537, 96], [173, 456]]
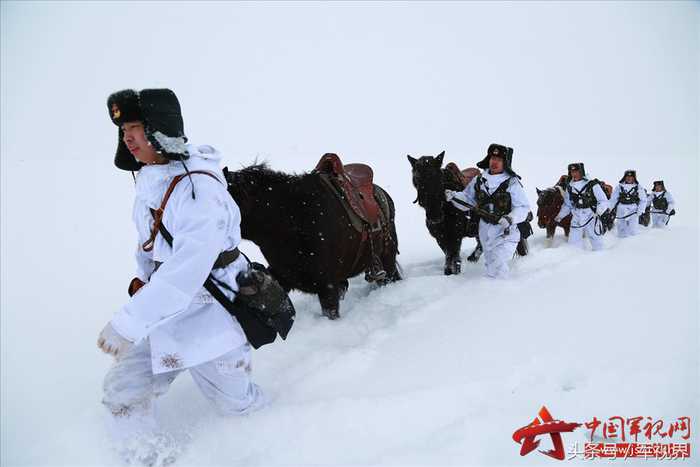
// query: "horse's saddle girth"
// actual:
[[354, 184]]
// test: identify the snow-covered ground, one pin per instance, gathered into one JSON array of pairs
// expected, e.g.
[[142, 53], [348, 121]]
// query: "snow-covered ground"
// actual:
[[432, 370]]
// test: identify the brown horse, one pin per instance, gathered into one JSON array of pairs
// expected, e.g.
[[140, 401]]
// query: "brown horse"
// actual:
[[549, 202]]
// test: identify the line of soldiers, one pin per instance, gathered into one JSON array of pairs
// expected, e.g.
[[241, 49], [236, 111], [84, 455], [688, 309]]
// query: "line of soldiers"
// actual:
[[629, 205], [498, 190]]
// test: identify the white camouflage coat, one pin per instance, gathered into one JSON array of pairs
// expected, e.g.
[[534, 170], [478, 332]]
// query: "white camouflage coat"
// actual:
[[498, 247], [582, 219], [627, 215], [659, 217], [184, 324]]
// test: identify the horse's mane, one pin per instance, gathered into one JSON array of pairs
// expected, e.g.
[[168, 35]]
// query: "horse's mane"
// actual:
[[261, 172]]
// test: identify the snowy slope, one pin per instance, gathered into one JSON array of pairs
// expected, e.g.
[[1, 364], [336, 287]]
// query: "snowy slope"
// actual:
[[431, 370]]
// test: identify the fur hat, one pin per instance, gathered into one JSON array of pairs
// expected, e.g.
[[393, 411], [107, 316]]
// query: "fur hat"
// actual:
[[160, 112], [657, 183], [500, 151], [576, 166], [629, 172]]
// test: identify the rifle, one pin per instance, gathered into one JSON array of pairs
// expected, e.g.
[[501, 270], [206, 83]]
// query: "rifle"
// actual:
[[480, 212]]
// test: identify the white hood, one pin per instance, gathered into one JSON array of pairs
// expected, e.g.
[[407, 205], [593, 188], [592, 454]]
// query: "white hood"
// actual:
[[153, 180]]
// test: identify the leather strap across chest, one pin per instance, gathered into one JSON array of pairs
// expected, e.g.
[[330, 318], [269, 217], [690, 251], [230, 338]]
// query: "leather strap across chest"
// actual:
[[583, 198], [629, 197], [499, 199], [158, 213], [224, 259]]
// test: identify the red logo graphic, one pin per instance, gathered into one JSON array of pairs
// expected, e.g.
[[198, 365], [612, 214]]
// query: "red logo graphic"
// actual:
[[544, 424]]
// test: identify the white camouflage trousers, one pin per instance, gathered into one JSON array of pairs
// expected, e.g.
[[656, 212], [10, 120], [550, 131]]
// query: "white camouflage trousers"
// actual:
[[498, 250], [130, 388], [627, 227], [658, 220], [576, 235]]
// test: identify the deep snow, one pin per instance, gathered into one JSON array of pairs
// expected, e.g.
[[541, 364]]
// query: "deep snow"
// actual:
[[431, 370]]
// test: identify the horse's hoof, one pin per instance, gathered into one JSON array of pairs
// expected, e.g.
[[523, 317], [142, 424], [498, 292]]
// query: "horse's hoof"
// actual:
[[378, 277], [472, 258], [331, 314]]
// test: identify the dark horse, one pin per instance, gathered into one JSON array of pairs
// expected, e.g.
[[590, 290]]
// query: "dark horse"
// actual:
[[549, 202], [447, 224], [305, 234]]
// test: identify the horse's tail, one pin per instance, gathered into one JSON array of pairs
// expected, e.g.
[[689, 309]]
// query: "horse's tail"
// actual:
[[398, 275], [386, 204]]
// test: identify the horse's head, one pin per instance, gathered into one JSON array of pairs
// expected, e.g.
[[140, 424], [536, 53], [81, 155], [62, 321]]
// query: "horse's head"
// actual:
[[549, 202], [427, 179], [242, 185]]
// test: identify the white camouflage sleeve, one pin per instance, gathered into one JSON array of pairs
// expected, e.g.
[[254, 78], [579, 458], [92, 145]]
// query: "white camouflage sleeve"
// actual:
[[467, 195], [603, 204], [198, 229], [520, 206], [565, 207]]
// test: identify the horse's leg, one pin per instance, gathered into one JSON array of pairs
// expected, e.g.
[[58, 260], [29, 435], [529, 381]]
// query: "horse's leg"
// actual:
[[453, 264], [522, 247], [390, 240], [391, 249], [390, 265], [456, 259], [476, 254], [329, 297], [453, 261], [342, 289], [549, 239]]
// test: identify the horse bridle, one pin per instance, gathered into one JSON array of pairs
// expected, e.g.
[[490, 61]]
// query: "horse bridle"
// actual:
[[441, 219]]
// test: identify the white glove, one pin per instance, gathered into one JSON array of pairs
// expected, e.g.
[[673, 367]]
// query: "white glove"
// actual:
[[558, 219], [449, 194], [505, 222], [111, 342]]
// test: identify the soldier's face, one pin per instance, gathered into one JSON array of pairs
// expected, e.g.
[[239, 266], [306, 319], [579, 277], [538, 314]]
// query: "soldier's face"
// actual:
[[576, 174], [629, 179], [495, 164], [137, 143]]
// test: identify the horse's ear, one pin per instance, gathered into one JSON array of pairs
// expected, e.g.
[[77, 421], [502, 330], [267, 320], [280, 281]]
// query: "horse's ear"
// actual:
[[438, 159], [411, 160], [538, 191]]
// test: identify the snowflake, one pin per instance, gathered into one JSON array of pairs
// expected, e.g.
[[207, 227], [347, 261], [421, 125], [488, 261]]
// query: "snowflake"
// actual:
[[172, 361]]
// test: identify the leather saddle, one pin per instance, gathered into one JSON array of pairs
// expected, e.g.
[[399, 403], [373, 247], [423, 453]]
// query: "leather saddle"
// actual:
[[353, 183], [462, 176]]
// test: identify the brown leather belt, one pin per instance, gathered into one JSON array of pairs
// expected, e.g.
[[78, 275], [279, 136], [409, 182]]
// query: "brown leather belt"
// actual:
[[224, 259]]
